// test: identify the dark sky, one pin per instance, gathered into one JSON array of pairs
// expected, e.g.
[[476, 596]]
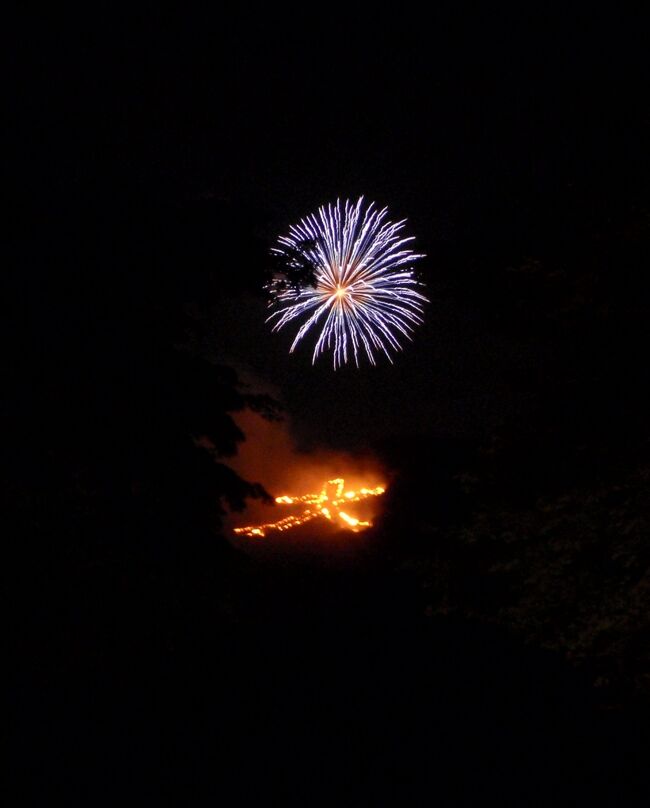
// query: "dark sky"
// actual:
[[502, 140], [154, 161]]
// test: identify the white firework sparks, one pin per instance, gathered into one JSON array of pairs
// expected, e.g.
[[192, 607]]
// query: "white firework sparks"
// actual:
[[365, 291]]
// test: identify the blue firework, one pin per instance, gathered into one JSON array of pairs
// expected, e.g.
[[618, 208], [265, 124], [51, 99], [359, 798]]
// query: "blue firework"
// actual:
[[365, 296]]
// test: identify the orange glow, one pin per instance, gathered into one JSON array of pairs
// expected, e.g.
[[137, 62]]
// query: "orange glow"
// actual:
[[324, 504]]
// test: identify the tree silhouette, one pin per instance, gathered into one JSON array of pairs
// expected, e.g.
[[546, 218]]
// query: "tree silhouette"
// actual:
[[116, 432]]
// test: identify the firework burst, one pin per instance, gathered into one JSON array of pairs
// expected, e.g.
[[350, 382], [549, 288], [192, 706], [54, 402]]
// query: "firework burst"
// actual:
[[363, 295]]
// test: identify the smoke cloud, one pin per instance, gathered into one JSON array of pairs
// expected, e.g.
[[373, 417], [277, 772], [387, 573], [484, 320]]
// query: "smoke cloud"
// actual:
[[269, 456]]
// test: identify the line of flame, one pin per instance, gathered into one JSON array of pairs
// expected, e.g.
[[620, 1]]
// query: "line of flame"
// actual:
[[321, 506]]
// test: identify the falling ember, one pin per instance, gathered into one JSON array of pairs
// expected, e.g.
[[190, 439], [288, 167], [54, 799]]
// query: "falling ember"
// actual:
[[322, 505]]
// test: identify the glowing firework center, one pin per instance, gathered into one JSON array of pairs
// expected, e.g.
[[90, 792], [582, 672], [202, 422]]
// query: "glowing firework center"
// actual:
[[326, 504], [364, 297]]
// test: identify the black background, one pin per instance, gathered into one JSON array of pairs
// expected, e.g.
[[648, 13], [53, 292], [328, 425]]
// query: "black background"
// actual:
[[491, 634]]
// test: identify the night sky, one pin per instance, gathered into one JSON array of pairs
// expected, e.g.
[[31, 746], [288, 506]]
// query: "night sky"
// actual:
[[490, 633]]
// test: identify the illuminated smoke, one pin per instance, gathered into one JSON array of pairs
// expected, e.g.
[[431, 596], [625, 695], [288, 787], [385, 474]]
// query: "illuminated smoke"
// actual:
[[320, 487]]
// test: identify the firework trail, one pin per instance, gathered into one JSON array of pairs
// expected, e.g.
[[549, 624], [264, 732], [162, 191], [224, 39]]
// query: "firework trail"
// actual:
[[364, 292]]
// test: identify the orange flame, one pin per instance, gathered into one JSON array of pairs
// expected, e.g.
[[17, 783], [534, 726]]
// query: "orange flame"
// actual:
[[324, 504]]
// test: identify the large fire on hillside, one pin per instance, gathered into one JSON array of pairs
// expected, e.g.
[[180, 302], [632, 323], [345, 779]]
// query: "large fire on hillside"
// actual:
[[326, 504]]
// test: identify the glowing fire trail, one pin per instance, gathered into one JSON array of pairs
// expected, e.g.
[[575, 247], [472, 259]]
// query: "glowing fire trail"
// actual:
[[325, 504]]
